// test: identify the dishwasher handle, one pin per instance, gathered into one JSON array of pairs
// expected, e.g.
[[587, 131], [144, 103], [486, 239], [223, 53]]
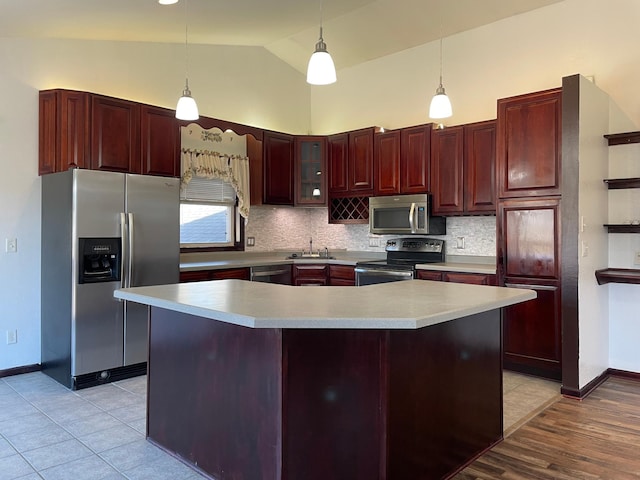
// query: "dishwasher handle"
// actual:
[[268, 273]]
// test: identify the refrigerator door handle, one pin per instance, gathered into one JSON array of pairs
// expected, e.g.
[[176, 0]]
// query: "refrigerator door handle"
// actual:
[[130, 250], [123, 256]]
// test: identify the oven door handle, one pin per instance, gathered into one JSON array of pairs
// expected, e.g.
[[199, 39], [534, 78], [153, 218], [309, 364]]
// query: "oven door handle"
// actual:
[[412, 223], [384, 273]]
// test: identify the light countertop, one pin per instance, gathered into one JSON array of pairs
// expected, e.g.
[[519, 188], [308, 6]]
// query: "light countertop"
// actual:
[[397, 305], [489, 269], [341, 258], [260, 261]]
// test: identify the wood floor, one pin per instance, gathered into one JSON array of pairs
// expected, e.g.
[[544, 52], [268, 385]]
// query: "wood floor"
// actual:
[[597, 438]]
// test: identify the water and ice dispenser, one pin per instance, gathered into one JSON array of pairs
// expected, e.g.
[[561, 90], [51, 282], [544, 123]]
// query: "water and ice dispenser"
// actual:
[[100, 260]]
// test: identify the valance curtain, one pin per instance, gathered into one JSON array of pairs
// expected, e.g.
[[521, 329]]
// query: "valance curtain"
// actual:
[[233, 169]]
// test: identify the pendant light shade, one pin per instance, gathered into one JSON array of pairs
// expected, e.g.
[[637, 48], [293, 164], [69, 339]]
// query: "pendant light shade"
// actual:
[[186, 108], [321, 70], [440, 104]]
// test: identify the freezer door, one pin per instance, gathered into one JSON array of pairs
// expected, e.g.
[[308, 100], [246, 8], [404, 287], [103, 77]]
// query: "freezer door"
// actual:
[[153, 210], [96, 317]]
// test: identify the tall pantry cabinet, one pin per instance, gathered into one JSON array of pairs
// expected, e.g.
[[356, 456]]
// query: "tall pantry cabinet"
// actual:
[[528, 179]]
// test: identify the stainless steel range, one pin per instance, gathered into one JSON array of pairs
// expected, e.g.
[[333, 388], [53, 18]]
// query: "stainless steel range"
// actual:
[[403, 254]]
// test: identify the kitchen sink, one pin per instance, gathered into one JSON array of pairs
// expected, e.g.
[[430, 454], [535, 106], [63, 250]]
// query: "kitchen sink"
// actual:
[[306, 256]]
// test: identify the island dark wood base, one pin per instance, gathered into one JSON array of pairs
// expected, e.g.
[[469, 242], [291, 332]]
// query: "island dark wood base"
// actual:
[[273, 404]]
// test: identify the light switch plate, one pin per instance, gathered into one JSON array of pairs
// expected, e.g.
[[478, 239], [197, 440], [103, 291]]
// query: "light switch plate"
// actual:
[[636, 259], [11, 245], [251, 241]]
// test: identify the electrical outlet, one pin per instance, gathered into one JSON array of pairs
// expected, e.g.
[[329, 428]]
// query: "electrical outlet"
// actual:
[[11, 245], [251, 241], [460, 242], [636, 259], [12, 336], [374, 242], [585, 249]]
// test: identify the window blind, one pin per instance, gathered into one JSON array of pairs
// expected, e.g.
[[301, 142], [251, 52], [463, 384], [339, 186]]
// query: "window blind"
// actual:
[[212, 190]]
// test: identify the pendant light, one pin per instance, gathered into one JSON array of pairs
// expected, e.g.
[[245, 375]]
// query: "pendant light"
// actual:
[[440, 104], [187, 108], [321, 70]]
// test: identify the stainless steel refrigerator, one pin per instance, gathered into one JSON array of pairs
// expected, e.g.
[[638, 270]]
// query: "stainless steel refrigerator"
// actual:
[[102, 231]]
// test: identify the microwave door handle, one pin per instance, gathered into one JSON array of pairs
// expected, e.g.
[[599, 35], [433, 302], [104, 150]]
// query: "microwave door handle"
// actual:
[[412, 223]]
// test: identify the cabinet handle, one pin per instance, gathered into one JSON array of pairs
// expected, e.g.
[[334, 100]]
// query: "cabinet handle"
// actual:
[[531, 287]]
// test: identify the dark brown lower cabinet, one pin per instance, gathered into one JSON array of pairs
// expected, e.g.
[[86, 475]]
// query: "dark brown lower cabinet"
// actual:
[[528, 239], [457, 277], [318, 404], [342, 275], [532, 331], [310, 275], [226, 273]]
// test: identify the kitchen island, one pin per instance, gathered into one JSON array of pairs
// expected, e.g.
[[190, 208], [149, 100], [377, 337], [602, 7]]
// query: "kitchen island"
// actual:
[[392, 381]]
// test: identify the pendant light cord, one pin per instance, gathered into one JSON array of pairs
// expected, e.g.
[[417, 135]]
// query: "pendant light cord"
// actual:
[[440, 61], [320, 19], [186, 42]]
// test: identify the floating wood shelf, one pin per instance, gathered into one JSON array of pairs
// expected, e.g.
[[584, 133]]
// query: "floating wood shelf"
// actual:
[[618, 275], [623, 138], [617, 183], [622, 228]]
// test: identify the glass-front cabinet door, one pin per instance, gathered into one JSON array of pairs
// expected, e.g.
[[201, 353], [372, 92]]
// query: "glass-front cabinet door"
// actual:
[[311, 171]]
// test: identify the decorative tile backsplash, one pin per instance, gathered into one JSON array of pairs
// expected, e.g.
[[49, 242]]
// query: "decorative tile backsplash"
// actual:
[[292, 228]]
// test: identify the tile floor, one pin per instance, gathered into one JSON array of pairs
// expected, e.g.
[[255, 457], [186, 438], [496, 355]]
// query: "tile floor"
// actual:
[[49, 432], [523, 398]]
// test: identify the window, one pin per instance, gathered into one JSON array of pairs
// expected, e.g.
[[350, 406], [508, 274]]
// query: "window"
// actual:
[[208, 214]]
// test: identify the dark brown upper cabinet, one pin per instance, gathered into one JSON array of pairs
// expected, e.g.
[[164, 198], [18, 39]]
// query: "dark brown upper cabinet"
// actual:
[[310, 171], [386, 161], [115, 135], [415, 154], [401, 160], [447, 165], [160, 134], [463, 169], [529, 144], [480, 167], [360, 178], [338, 164], [63, 130], [278, 171], [351, 163]]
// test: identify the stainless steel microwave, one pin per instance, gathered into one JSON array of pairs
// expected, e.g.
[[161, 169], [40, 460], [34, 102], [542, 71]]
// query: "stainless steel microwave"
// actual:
[[404, 214]]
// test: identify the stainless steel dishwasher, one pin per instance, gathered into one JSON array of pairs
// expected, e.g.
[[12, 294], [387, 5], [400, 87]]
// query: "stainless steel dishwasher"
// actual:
[[272, 274]]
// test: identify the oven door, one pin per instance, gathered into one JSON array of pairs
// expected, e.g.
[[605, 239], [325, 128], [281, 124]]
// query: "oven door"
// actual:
[[372, 276]]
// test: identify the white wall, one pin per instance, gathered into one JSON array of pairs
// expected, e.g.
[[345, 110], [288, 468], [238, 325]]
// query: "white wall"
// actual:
[[521, 54], [624, 205], [593, 299], [241, 84]]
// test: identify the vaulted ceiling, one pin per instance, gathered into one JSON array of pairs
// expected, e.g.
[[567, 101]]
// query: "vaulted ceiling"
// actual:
[[355, 31]]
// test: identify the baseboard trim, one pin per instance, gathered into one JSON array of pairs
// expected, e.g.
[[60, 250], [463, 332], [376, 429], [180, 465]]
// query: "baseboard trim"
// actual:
[[36, 367], [596, 382], [623, 374]]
